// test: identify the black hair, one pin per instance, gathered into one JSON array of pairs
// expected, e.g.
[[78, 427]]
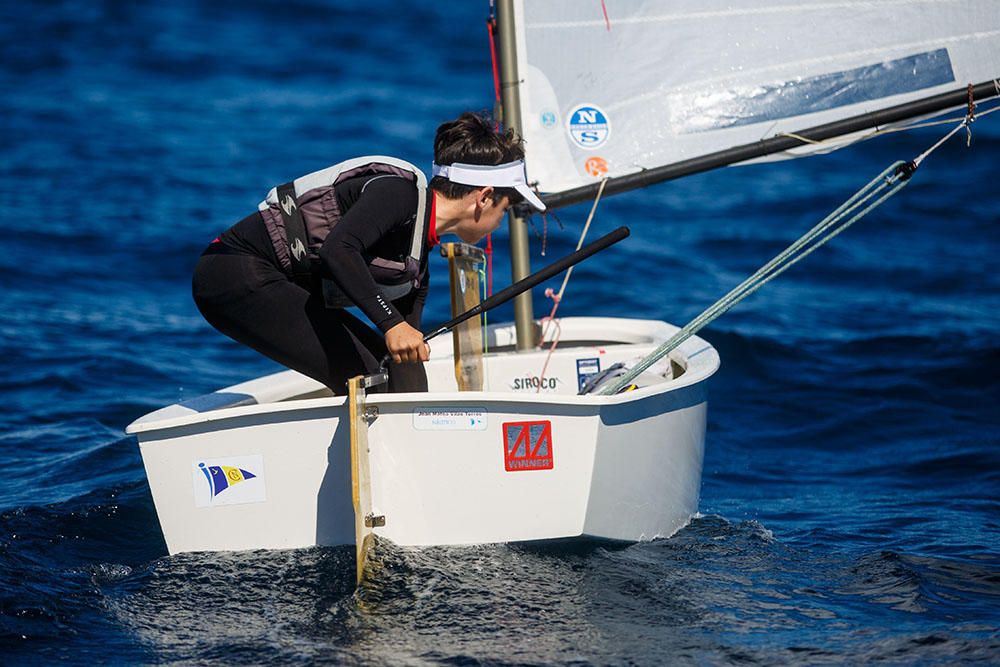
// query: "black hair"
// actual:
[[471, 139]]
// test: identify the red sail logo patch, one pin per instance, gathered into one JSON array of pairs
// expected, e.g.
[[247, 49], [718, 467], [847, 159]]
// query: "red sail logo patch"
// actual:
[[527, 446]]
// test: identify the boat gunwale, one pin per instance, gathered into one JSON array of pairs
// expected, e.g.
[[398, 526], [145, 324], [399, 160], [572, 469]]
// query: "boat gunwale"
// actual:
[[699, 366]]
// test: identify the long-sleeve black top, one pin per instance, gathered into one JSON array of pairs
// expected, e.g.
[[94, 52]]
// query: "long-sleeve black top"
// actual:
[[378, 218]]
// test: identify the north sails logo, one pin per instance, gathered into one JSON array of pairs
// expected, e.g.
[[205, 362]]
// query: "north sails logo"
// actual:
[[288, 205], [298, 249]]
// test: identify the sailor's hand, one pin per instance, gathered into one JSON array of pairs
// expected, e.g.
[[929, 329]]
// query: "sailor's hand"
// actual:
[[406, 344]]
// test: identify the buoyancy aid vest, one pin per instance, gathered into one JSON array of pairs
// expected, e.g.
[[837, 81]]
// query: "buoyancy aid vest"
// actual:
[[299, 216]]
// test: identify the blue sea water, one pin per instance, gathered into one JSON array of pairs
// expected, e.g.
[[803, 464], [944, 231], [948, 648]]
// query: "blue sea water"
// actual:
[[849, 507]]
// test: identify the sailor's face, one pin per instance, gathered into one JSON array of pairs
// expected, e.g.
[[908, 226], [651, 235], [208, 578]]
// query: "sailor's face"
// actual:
[[488, 217], [493, 215]]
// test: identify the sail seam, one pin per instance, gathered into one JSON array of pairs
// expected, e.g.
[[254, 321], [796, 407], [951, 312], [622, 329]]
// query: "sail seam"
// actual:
[[760, 11]]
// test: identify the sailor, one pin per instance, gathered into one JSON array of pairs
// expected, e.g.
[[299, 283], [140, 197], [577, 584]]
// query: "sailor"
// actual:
[[357, 234]]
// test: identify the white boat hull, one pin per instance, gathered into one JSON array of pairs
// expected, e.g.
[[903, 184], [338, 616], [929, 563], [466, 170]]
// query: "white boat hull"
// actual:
[[448, 467]]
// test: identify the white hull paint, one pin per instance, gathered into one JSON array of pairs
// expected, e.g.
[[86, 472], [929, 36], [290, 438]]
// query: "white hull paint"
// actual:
[[625, 467]]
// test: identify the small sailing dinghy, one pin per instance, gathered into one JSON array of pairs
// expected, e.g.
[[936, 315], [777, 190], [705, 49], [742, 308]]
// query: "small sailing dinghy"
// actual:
[[266, 463], [508, 445]]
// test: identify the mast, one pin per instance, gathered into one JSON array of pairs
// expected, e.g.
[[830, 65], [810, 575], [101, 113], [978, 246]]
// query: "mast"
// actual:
[[511, 118], [777, 144]]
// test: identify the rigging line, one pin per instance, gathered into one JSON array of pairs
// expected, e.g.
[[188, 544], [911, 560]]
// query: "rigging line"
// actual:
[[896, 176], [971, 115], [803, 248], [930, 123], [490, 27], [830, 226], [712, 314], [555, 341], [583, 234], [865, 194], [804, 140], [891, 130], [497, 114], [557, 298], [920, 158], [485, 329]]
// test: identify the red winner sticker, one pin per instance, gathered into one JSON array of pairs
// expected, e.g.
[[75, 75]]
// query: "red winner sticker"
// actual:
[[527, 446]]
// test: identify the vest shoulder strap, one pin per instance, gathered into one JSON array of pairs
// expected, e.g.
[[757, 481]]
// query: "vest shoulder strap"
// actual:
[[295, 229], [302, 234]]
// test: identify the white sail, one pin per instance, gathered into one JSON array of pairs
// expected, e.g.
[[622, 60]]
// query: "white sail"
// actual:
[[615, 87]]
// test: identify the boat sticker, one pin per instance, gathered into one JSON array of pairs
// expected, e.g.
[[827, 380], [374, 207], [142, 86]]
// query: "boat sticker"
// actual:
[[585, 368], [534, 383], [230, 481], [450, 419], [588, 126], [596, 166], [548, 119], [527, 446]]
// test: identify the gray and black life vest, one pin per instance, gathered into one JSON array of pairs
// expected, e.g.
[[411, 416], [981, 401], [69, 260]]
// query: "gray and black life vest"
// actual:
[[299, 216]]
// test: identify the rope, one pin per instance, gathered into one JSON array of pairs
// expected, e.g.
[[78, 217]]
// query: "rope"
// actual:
[[488, 278], [490, 28], [805, 140], [485, 329], [889, 130], [920, 158], [579, 244], [557, 298], [881, 188]]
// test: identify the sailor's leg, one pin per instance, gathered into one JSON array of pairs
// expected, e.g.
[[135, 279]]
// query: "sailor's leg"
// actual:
[[251, 301]]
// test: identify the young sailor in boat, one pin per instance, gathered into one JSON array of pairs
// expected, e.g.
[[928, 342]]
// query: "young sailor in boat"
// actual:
[[357, 234]]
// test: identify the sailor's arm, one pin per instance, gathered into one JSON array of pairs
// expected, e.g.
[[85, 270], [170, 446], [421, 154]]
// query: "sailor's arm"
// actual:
[[386, 204]]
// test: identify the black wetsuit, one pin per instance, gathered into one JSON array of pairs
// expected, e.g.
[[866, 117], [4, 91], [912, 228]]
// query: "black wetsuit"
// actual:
[[241, 289]]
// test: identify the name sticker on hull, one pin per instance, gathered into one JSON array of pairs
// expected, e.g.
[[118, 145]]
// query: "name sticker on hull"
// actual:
[[527, 446], [230, 481], [450, 419]]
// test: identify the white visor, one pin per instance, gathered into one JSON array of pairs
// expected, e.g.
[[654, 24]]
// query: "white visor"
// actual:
[[509, 175]]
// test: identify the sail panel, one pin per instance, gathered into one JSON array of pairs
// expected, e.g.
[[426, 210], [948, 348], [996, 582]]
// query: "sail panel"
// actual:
[[657, 83]]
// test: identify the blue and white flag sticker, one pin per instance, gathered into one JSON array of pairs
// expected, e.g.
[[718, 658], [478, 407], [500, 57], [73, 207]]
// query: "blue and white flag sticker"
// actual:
[[230, 481], [588, 126]]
